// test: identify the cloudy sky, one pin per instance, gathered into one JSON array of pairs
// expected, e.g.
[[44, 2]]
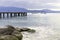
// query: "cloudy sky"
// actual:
[[32, 4]]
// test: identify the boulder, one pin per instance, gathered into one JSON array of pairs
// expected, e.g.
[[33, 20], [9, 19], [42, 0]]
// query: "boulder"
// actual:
[[11, 33], [15, 35], [8, 37], [18, 34], [7, 31]]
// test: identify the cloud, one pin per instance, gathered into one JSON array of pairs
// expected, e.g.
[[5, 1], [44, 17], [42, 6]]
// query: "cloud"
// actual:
[[54, 4], [32, 4]]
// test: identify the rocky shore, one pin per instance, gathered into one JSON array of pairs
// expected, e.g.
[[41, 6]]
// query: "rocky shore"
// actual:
[[12, 33]]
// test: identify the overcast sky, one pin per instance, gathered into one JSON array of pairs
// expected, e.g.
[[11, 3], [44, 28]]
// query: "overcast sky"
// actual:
[[32, 4]]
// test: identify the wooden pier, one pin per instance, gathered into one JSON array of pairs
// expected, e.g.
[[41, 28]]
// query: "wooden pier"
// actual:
[[12, 14]]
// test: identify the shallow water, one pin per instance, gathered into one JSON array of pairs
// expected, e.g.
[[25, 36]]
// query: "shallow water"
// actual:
[[47, 26], [49, 31]]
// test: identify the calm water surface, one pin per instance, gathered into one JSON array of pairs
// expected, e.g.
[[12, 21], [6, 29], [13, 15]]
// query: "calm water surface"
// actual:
[[26, 21], [47, 26]]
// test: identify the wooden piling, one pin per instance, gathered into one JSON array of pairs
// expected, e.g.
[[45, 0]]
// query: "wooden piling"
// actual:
[[21, 14], [24, 14], [7, 15], [15, 14], [10, 14], [0, 15], [18, 14], [3, 15]]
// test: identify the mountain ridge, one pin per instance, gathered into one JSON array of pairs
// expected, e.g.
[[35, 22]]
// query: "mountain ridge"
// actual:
[[16, 9], [12, 9]]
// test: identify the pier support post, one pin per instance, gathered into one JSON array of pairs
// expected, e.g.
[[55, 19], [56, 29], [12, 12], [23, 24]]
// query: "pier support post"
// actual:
[[3, 15], [25, 14], [18, 14], [0, 15], [15, 14], [21, 14], [10, 14], [7, 15]]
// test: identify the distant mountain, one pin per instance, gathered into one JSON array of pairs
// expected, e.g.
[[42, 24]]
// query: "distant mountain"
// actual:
[[34, 11], [16, 9], [12, 9], [39, 11], [46, 10], [43, 11], [50, 11]]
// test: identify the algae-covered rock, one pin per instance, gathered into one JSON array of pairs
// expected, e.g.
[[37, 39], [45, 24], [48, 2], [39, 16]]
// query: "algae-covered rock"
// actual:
[[18, 34], [8, 37], [32, 31], [11, 33], [11, 38], [7, 31], [15, 36], [27, 30], [24, 29]]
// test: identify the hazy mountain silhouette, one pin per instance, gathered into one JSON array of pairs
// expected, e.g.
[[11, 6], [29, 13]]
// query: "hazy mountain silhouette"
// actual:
[[16, 9], [43, 10], [50, 11], [38, 11], [12, 9]]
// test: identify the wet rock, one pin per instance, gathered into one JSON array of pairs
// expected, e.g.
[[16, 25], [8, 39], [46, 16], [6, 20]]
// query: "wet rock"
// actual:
[[27, 30], [18, 34], [8, 37], [32, 31], [7, 31], [11, 33], [24, 29]]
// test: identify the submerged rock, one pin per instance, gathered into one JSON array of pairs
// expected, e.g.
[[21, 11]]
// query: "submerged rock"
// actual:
[[32, 31], [27, 30], [23, 29]]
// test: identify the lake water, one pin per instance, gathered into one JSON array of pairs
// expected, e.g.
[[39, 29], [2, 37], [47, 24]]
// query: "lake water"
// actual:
[[47, 26], [27, 21]]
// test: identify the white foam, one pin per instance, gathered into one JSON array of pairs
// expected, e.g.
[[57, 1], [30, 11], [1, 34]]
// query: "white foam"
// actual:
[[42, 33]]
